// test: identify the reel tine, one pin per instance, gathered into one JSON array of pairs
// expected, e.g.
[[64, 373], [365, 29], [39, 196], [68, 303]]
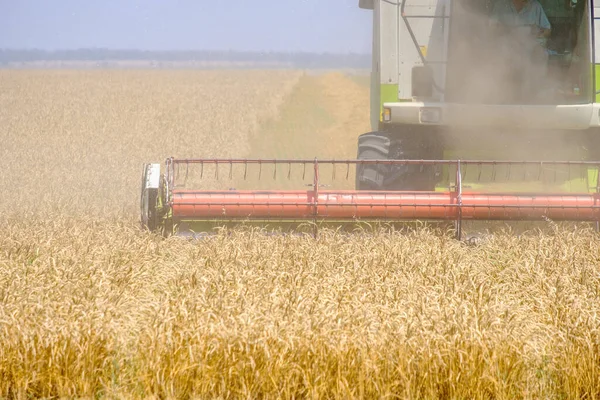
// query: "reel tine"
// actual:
[[201, 169], [289, 171], [259, 170], [347, 170], [275, 170], [333, 170], [480, 168], [359, 169], [217, 171], [245, 169], [187, 172], [230, 170]]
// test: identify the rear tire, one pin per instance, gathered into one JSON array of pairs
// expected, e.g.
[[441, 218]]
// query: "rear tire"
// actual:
[[405, 145], [372, 146]]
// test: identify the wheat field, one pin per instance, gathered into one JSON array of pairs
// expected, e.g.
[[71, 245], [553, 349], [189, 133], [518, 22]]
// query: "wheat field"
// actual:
[[91, 306]]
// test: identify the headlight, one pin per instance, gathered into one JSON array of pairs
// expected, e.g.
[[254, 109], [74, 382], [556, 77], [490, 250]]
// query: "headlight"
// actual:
[[387, 115], [430, 115]]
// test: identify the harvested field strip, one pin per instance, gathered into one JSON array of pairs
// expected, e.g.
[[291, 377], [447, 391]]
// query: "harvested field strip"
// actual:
[[322, 118]]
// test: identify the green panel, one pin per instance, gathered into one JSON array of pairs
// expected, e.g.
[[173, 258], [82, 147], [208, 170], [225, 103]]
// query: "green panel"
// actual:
[[597, 74], [592, 180], [389, 94]]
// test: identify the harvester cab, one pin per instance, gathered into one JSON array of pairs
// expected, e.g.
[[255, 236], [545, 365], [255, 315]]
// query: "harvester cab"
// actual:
[[491, 79], [480, 110]]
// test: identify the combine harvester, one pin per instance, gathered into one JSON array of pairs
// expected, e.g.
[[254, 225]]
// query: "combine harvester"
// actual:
[[460, 90]]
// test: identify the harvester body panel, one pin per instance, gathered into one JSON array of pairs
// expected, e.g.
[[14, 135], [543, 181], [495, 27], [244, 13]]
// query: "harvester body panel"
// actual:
[[441, 54]]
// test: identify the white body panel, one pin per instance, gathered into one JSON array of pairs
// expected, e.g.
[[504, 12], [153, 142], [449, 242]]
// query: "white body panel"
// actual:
[[428, 21], [388, 42], [153, 176], [500, 116]]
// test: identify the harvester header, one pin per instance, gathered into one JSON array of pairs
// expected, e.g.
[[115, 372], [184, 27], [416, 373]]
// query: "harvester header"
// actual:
[[170, 206]]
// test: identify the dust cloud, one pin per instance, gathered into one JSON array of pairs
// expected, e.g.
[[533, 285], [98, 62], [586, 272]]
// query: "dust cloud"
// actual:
[[492, 67]]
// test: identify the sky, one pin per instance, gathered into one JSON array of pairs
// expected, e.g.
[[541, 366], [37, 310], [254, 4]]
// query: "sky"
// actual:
[[337, 26]]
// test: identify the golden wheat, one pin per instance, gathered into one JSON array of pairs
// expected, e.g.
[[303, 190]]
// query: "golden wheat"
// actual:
[[98, 308], [92, 306], [76, 140]]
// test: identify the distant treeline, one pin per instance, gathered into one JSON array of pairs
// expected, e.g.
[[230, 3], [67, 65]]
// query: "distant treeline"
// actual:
[[116, 58]]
